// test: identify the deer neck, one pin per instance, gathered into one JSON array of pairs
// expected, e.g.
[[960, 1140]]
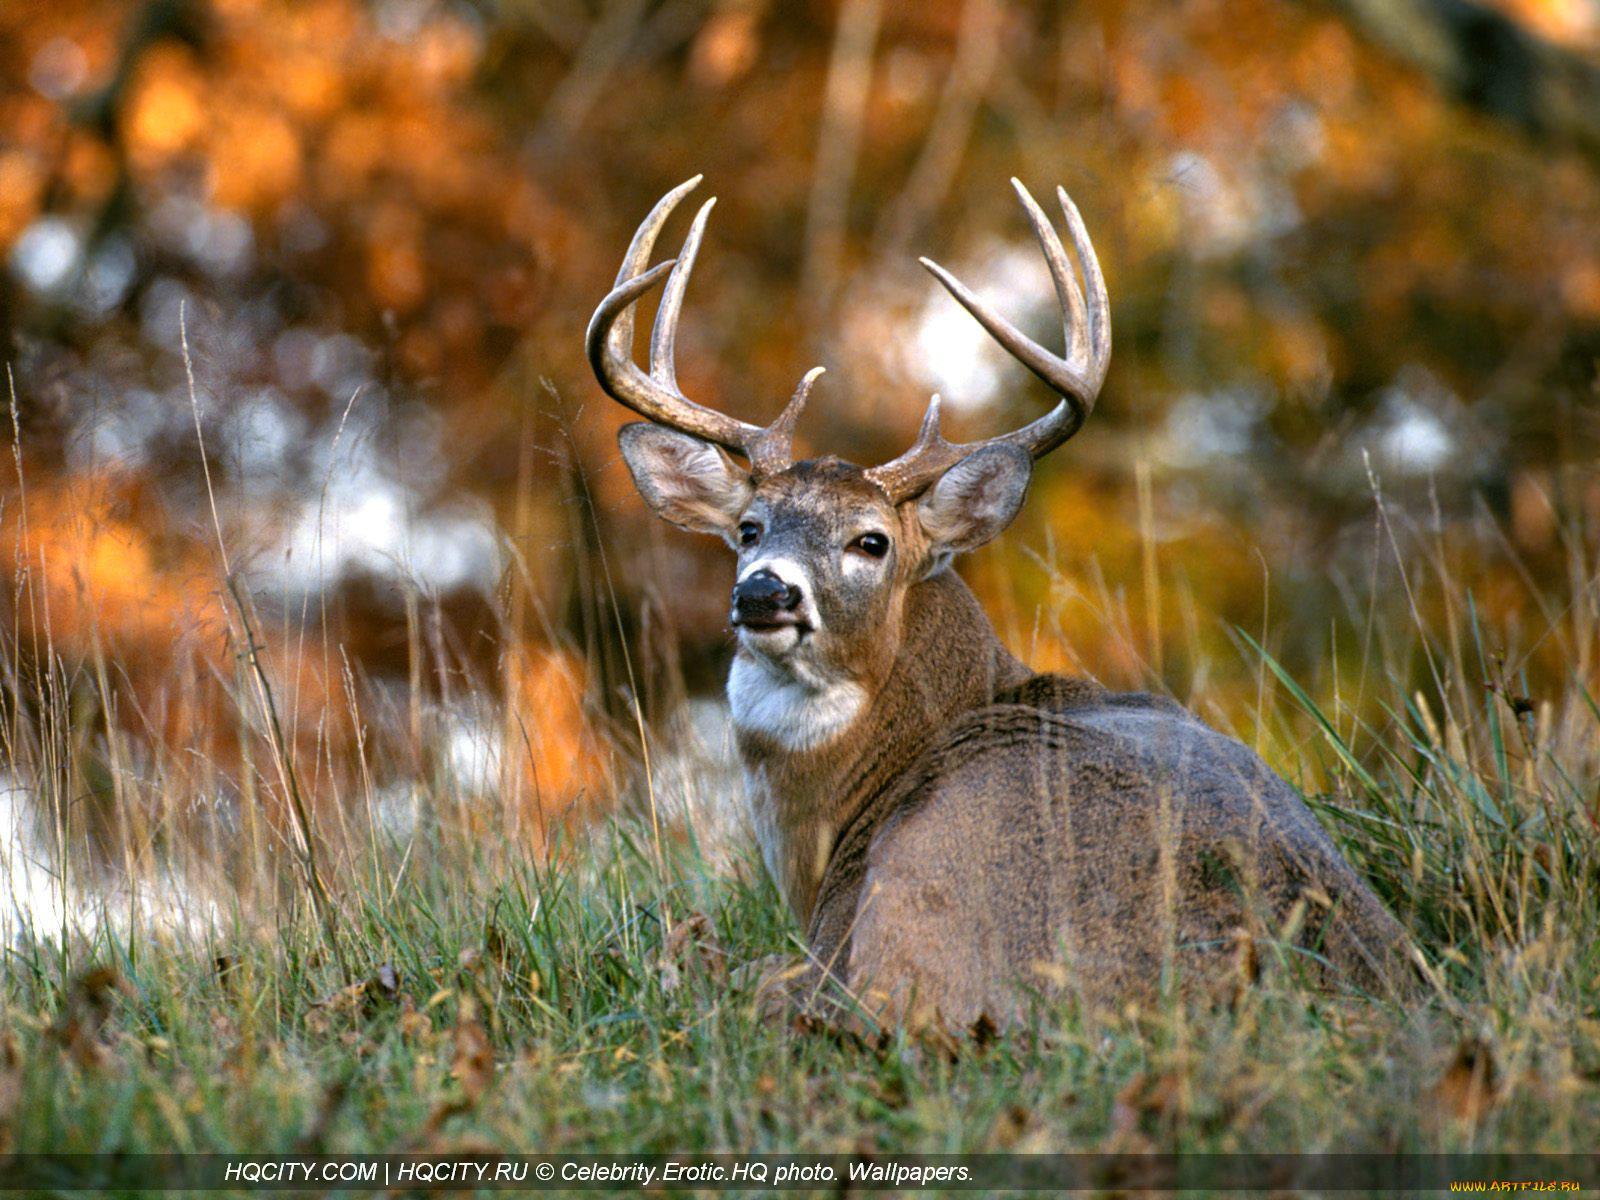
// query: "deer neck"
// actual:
[[815, 754]]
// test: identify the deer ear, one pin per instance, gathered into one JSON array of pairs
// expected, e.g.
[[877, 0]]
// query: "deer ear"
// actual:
[[975, 499], [686, 481]]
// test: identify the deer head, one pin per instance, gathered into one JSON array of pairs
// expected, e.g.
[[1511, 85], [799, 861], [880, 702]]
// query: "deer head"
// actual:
[[828, 550]]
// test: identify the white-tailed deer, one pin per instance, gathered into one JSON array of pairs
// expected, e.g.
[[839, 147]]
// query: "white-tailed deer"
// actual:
[[953, 830]]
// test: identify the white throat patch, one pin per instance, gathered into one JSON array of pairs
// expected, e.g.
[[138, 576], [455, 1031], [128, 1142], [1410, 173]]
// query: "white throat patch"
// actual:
[[767, 700]]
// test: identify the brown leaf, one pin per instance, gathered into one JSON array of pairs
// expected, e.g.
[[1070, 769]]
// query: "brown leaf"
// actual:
[[473, 1065], [96, 989], [80, 1029], [1146, 1103], [366, 996], [691, 945], [984, 1032], [1009, 1127], [347, 997], [10, 1088], [1471, 1085], [891, 1092], [412, 1023]]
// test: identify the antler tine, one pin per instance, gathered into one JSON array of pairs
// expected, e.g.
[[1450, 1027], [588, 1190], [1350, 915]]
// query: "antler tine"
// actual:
[[656, 394], [1068, 295], [638, 257], [929, 457], [1076, 377], [1099, 315], [664, 334], [773, 450], [609, 340]]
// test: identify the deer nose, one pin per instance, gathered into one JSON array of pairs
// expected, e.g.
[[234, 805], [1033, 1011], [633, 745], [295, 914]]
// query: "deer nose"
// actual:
[[761, 596]]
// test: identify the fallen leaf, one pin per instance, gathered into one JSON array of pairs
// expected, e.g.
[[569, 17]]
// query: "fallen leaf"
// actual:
[[473, 1065], [1471, 1085], [383, 987], [345, 997], [1009, 1127], [10, 1089], [81, 1027], [412, 1023], [691, 945], [1145, 1105]]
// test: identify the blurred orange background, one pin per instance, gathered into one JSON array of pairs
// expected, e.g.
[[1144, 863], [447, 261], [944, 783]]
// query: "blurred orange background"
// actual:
[[1353, 251]]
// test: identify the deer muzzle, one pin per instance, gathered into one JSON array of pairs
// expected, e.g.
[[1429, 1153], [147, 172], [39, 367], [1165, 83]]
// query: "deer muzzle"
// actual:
[[763, 601]]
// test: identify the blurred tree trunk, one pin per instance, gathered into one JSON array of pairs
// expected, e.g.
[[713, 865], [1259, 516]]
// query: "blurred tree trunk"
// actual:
[[1486, 59]]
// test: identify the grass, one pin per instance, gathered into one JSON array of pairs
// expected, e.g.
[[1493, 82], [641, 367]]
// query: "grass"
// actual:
[[588, 1005], [448, 987]]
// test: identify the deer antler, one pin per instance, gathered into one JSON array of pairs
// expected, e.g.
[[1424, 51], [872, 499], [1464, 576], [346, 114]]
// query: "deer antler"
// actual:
[[655, 394], [1076, 378]]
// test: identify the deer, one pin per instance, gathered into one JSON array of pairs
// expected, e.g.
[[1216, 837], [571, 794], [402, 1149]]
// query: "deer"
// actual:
[[955, 833]]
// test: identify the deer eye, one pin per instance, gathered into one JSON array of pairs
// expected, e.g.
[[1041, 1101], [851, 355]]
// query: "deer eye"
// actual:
[[873, 545], [749, 533]]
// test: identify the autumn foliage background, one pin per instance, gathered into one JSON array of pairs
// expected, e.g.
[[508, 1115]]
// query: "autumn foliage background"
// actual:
[[314, 498]]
